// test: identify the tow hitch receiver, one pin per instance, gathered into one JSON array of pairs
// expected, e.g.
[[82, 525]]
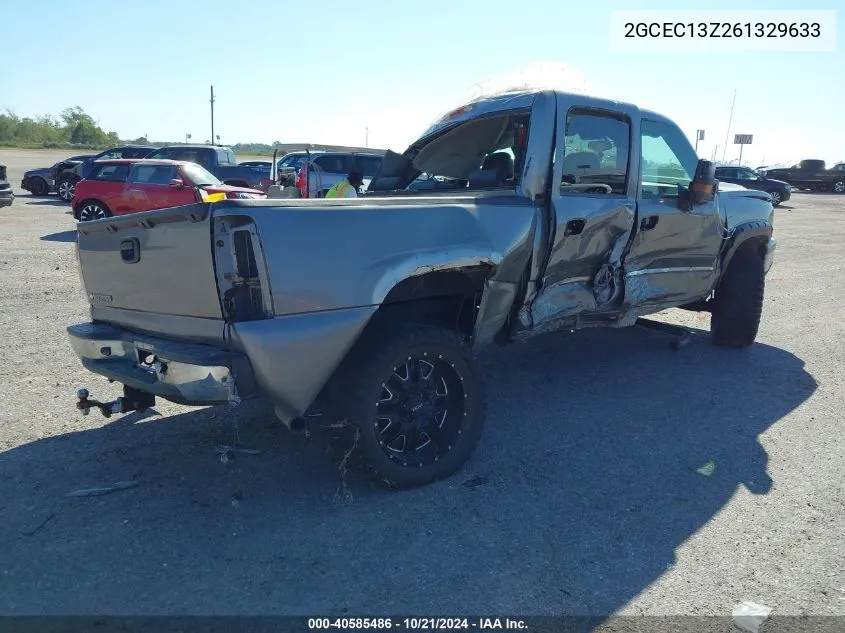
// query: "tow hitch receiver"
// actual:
[[132, 400]]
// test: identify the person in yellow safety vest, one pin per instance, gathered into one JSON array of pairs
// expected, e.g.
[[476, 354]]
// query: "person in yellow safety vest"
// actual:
[[348, 187]]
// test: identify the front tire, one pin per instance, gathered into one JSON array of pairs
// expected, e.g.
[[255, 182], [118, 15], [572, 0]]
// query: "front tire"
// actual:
[[777, 198], [38, 187], [839, 186], [738, 303], [92, 210], [413, 403]]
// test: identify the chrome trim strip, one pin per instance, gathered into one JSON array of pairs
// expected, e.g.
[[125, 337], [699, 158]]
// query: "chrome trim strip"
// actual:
[[683, 269]]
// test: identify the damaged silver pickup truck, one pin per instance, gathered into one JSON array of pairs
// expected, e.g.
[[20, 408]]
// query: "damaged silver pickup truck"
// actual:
[[514, 215]]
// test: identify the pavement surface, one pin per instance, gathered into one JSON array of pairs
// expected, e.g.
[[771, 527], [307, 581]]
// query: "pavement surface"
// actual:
[[615, 476]]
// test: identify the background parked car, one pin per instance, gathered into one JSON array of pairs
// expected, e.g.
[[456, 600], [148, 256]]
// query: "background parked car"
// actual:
[[328, 168], [7, 196], [811, 174], [779, 190], [42, 181], [218, 160], [118, 187], [67, 178]]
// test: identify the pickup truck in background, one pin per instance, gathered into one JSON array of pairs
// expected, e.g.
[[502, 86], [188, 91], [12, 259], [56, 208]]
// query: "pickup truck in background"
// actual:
[[364, 316], [220, 161], [812, 175]]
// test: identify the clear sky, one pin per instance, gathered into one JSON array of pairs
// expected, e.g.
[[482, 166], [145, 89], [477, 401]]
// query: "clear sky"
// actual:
[[323, 72]]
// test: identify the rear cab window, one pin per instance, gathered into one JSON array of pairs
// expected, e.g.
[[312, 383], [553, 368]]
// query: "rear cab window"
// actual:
[[225, 157], [596, 154], [482, 153], [367, 165]]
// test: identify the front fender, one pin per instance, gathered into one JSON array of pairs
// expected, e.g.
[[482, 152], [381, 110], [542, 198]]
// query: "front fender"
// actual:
[[759, 231]]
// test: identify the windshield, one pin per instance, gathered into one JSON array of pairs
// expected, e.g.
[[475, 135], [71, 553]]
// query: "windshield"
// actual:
[[199, 176]]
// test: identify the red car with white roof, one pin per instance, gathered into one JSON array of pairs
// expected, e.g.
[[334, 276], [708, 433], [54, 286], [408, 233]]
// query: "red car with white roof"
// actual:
[[122, 186]]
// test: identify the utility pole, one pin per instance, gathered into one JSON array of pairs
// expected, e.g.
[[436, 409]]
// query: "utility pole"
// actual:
[[212, 114], [730, 119]]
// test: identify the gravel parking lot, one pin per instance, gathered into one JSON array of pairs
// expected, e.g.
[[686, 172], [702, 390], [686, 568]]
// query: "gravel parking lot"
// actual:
[[583, 498]]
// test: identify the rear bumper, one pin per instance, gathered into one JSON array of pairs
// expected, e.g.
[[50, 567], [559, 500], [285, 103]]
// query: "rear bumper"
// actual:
[[769, 258], [185, 373]]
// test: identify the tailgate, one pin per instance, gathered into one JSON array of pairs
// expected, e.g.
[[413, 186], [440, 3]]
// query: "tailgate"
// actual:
[[153, 271]]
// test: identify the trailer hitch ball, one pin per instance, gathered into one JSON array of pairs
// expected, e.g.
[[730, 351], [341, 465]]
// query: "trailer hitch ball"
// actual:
[[82, 404]]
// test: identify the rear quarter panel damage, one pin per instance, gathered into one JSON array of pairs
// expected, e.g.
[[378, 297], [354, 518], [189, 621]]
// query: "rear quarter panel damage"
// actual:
[[357, 251]]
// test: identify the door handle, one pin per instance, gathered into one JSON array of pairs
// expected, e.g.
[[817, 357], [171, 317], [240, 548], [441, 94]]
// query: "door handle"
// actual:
[[649, 223], [574, 227]]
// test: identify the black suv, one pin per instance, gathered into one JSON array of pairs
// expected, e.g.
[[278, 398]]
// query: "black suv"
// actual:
[[750, 179], [67, 178]]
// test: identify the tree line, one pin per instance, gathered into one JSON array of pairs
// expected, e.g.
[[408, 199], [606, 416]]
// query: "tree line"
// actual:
[[72, 128]]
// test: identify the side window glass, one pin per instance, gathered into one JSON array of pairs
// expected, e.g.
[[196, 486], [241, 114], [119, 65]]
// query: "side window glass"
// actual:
[[368, 165], [113, 173], [668, 160], [596, 153], [152, 174], [332, 163]]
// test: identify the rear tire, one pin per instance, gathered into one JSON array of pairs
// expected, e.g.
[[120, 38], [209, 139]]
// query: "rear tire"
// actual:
[[738, 303], [839, 186], [38, 187], [92, 210], [66, 187], [411, 405]]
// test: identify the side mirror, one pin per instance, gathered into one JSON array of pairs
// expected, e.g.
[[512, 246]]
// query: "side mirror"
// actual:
[[702, 187], [176, 183]]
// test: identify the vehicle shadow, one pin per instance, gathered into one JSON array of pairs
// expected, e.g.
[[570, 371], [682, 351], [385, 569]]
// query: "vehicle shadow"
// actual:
[[62, 236], [47, 202], [603, 452]]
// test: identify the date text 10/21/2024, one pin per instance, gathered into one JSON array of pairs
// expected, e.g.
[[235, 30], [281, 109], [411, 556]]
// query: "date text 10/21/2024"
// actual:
[[417, 624]]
